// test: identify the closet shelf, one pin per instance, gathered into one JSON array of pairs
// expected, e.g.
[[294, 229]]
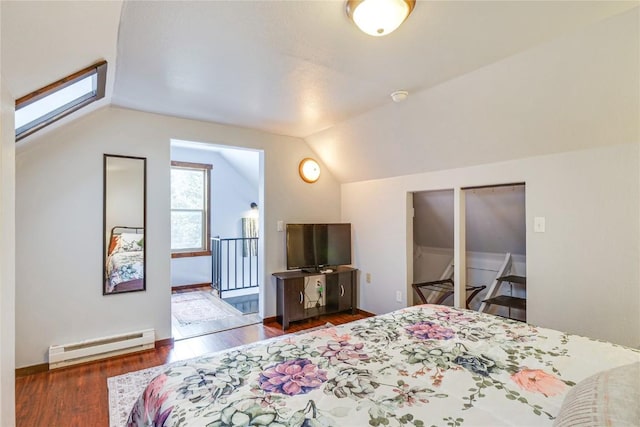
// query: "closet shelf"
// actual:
[[508, 301]]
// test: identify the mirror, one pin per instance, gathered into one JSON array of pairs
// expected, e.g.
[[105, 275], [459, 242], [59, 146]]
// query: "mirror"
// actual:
[[124, 223]]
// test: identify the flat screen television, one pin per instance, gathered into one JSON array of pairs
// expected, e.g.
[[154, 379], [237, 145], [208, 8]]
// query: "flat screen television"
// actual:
[[311, 247]]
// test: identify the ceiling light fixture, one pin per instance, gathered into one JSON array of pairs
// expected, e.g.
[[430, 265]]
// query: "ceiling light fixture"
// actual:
[[379, 17], [399, 96], [309, 170]]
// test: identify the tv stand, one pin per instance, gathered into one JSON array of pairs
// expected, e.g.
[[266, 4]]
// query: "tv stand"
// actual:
[[340, 294]]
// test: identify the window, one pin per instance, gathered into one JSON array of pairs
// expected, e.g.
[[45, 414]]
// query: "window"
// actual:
[[190, 209], [50, 103]]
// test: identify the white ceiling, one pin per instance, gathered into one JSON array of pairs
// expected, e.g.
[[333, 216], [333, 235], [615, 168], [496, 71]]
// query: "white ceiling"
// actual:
[[44, 41], [301, 68], [297, 67]]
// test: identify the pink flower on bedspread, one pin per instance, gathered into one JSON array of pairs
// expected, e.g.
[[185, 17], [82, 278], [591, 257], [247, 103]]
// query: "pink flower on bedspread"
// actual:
[[538, 381], [153, 398], [343, 351], [430, 331], [297, 376]]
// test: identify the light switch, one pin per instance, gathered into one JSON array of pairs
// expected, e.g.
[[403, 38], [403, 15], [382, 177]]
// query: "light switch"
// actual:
[[280, 226], [538, 224]]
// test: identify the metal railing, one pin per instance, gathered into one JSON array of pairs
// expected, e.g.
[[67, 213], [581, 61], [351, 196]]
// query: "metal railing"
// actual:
[[234, 263]]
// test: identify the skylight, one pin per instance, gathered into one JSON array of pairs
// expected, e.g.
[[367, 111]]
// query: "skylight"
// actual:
[[46, 105]]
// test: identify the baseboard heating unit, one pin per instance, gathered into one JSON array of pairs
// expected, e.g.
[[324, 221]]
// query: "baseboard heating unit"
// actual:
[[100, 348]]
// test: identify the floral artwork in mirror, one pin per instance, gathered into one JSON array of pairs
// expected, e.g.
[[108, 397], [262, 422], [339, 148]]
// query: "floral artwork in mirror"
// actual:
[[124, 224]]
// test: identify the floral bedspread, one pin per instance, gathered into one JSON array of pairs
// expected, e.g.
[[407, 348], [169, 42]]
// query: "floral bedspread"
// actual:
[[124, 266], [420, 366]]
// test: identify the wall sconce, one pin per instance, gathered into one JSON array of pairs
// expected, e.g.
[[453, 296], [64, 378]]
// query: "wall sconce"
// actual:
[[309, 170], [379, 17], [254, 212]]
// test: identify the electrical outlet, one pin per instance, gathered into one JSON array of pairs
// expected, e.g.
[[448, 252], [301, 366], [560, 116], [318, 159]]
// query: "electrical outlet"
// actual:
[[398, 296], [368, 277]]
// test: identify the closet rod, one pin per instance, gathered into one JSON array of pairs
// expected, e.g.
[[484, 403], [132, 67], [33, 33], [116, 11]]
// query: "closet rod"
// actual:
[[513, 184]]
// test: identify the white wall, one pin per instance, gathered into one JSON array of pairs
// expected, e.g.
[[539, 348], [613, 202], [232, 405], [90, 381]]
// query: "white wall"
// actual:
[[7, 258], [231, 196], [59, 221], [581, 274]]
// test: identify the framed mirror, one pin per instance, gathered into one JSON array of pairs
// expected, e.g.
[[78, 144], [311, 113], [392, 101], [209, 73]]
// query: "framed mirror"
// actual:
[[124, 213]]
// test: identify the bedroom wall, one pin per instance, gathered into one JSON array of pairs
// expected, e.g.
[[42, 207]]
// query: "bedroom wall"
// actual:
[[582, 274], [59, 221], [577, 96], [7, 258], [231, 196]]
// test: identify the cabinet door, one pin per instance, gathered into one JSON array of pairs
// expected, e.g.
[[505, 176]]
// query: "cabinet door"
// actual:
[[294, 298], [345, 290]]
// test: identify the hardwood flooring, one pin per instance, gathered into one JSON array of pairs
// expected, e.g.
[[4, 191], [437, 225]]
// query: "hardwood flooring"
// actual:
[[77, 396]]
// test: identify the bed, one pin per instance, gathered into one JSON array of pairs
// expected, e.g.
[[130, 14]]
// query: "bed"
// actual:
[[420, 366], [125, 259]]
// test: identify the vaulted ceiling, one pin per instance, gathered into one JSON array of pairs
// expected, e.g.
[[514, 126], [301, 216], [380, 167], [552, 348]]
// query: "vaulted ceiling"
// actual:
[[297, 68]]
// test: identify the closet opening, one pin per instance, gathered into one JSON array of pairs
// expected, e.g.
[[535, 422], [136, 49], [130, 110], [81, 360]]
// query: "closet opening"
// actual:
[[492, 227], [433, 245], [495, 238]]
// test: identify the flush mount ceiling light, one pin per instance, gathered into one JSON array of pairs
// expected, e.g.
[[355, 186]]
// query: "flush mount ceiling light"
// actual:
[[379, 17], [309, 170], [399, 96]]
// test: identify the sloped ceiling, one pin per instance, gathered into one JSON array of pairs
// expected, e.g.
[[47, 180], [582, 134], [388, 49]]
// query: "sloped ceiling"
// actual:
[[301, 68], [44, 41], [495, 219], [245, 162], [298, 67]]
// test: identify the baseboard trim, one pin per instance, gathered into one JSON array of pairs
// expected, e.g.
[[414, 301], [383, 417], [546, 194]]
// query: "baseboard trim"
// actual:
[[165, 342], [187, 287], [365, 313], [44, 367], [30, 370]]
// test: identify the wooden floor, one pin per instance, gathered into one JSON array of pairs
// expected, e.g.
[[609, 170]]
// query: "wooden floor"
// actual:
[[77, 396]]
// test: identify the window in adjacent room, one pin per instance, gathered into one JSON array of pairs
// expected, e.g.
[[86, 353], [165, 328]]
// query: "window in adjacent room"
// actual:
[[190, 209], [39, 109]]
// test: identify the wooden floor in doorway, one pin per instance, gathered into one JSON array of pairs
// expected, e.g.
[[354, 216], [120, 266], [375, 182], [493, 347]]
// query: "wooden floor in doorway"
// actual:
[[77, 396]]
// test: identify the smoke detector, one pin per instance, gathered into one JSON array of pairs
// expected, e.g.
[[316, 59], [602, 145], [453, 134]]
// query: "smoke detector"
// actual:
[[399, 95]]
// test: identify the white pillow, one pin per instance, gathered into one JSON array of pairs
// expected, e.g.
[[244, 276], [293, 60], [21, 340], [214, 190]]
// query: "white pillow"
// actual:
[[608, 398], [130, 242]]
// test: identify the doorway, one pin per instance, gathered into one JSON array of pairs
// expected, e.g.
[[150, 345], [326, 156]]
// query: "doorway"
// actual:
[[496, 247], [217, 286], [433, 244]]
